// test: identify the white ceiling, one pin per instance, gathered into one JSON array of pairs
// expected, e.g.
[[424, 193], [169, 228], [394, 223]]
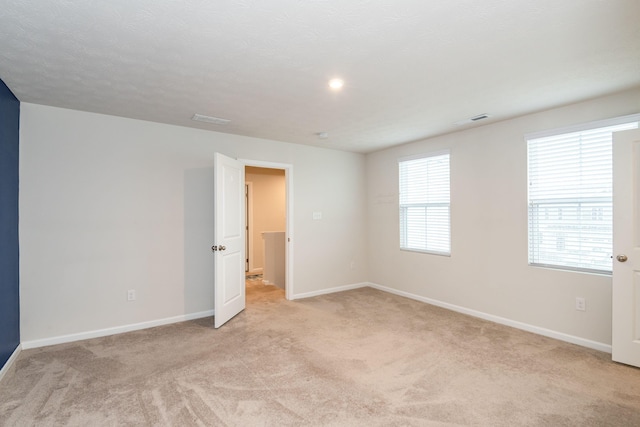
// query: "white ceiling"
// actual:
[[412, 67]]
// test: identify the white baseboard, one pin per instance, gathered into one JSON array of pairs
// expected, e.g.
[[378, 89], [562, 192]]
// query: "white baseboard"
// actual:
[[330, 290], [501, 320], [113, 331], [144, 325], [10, 361]]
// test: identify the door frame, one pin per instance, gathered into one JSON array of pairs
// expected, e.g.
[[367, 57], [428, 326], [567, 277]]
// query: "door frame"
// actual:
[[249, 236], [288, 178]]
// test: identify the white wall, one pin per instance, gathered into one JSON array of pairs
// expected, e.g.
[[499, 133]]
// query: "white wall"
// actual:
[[488, 269], [109, 204], [268, 211]]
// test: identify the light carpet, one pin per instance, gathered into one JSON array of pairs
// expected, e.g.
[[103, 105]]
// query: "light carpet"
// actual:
[[355, 358]]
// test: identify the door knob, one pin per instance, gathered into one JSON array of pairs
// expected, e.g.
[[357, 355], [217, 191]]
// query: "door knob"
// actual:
[[222, 248], [621, 258], [214, 248]]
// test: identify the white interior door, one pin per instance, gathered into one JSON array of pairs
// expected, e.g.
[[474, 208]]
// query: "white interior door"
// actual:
[[228, 248], [625, 343]]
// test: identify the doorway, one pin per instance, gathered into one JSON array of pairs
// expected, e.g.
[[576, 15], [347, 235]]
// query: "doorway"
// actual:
[[267, 222]]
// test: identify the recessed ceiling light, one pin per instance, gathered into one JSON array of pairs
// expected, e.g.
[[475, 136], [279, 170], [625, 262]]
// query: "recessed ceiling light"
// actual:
[[336, 84], [209, 119], [323, 135]]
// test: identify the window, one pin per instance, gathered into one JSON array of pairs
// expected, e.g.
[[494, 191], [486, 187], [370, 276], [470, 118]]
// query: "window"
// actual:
[[424, 204], [570, 196]]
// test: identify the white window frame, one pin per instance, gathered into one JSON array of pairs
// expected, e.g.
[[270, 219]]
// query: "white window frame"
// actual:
[[553, 206], [428, 247]]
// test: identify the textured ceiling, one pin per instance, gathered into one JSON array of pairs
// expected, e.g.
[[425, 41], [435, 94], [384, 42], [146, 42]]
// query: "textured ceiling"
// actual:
[[412, 67]]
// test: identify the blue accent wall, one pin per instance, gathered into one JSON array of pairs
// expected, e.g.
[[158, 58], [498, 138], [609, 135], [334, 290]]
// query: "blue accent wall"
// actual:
[[9, 250]]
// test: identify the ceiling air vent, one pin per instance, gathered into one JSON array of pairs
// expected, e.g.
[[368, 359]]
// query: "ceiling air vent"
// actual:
[[209, 119], [478, 117], [471, 119]]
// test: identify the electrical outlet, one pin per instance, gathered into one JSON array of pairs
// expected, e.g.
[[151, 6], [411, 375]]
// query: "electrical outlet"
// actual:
[[581, 305], [131, 295]]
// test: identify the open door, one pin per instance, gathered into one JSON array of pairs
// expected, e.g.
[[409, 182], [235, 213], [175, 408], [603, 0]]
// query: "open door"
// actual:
[[625, 344], [228, 248]]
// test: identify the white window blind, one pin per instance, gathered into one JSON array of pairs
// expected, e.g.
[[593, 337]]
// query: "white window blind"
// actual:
[[424, 204], [570, 199]]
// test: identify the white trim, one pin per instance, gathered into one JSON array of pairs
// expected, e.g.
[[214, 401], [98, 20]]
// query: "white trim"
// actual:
[[113, 331], [249, 214], [288, 172], [424, 155], [583, 126], [331, 290], [10, 361], [144, 325], [501, 320], [263, 164], [424, 251], [288, 177]]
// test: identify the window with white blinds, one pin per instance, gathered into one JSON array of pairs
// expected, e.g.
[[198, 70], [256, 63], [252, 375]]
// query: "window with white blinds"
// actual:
[[570, 199], [425, 224]]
